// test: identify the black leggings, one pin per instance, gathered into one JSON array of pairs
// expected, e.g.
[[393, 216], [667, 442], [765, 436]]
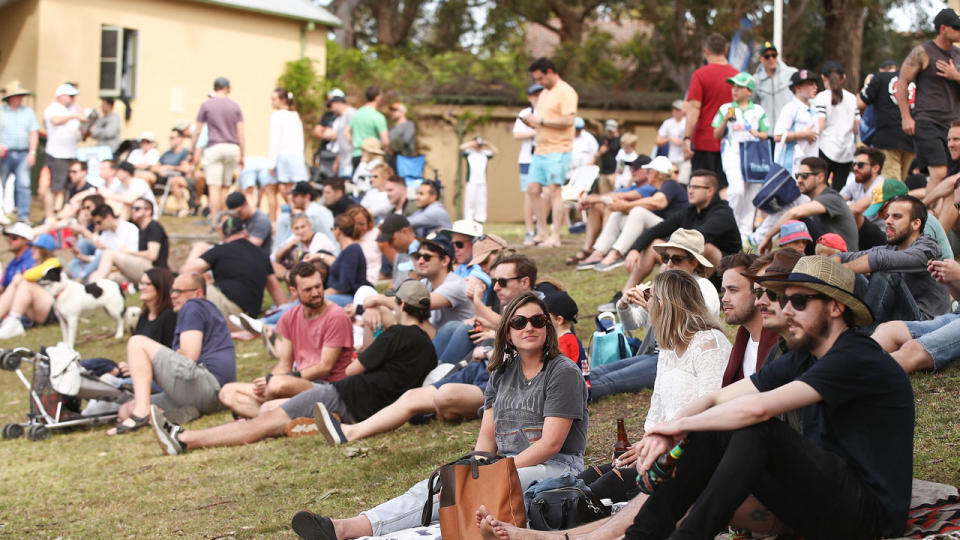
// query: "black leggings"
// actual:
[[785, 471], [606, 483], [840, 172]]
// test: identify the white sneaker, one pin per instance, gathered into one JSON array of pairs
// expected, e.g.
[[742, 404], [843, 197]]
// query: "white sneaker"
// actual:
[[248, 323], [4, 220], [11, 328]]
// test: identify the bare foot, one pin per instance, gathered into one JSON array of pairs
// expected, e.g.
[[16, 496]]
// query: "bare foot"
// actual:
[[490, 528]]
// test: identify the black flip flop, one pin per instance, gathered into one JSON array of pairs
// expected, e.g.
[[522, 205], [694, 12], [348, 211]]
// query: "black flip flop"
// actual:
[[312, 526], [138, 422]]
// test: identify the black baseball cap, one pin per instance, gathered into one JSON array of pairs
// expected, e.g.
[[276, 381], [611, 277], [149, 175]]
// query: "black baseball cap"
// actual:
[[235, 200], [441, 241], [948, 17], [560, 304], [802, 75], [641, 160], [768, 46], [303, 188], [390, 225]]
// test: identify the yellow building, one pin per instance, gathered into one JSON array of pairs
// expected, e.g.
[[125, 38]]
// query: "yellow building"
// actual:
[[161, 54]]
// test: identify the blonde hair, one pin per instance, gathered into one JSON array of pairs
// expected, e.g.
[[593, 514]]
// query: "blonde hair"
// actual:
[[681, 311], [628, 138]]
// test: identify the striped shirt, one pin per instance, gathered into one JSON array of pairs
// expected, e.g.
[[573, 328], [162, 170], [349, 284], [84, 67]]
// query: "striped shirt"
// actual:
[[16, 126]]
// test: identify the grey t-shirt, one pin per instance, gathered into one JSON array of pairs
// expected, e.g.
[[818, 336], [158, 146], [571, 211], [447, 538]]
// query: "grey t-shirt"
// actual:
[[520, 406], [258, 226], [838, 219], [221, 114], [402, 137], [453, 289]]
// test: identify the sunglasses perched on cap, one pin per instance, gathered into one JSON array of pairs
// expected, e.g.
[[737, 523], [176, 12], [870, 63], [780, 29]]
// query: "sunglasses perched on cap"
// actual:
[[799, 300], [676, 259], [771, 295], [519, 322]]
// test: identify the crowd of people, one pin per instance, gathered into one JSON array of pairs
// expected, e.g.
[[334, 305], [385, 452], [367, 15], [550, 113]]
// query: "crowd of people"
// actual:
[[835, 299]]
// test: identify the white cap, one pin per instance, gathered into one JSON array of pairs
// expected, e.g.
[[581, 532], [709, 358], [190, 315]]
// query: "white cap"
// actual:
[[147, 136], [661, 164], [465, 226], [67, 89], [20, 229]]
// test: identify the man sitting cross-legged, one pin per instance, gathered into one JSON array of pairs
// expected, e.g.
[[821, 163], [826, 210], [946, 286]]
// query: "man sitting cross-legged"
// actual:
[[190, 373], [397, 360], [314, 343]]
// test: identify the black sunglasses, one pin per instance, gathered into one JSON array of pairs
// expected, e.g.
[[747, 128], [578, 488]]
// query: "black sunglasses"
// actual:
[[861, 164], [799, 301], [676, 259], [519, 322], [502, 282], [771, 295], [769, 56], [459, 244], [804, 175], [425, 256]]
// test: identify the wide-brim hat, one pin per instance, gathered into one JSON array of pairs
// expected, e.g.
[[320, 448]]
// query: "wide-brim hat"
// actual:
[[486, 246], [20, 229], [372, 146], [14, 88], [466, 227], [826, 276], [689, 240], [780, 267]]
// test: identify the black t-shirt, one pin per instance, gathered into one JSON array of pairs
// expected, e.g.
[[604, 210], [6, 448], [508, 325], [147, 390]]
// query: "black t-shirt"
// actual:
[[240, 271], [160, 329], [870, 235], [608, 160], [154, 232], [395, 362], [866, 415], [340, 206], [881, 93], [676, 195], [73, 189]]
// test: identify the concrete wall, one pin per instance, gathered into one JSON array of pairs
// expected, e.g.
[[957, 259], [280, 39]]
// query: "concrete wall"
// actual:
[[19, 25], [437, 139], [183, 46]]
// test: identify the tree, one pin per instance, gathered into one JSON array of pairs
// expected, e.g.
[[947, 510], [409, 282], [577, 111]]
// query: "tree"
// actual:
[[843, 36]]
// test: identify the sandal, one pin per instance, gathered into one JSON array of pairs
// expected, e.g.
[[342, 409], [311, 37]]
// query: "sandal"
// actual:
[[138, 422], [576, 258]]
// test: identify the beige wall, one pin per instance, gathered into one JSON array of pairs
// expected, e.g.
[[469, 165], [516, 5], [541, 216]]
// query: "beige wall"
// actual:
[[437, 139], [183, 46], [19, 24]]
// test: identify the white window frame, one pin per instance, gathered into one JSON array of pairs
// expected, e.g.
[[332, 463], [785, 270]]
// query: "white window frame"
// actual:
[[125, 62]]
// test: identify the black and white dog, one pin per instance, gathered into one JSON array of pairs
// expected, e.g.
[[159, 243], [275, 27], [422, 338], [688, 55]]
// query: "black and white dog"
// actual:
[[72, 299]]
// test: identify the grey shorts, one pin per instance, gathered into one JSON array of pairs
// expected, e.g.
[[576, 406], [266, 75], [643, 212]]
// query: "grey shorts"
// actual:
[[301, 405], [59, 172], [184, 382]]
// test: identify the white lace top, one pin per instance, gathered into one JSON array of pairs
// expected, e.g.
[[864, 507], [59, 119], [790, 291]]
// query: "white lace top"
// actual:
[[682, 380]]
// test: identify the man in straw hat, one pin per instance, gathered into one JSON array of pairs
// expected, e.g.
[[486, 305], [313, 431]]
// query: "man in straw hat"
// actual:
[[858, 433], [19, 131]]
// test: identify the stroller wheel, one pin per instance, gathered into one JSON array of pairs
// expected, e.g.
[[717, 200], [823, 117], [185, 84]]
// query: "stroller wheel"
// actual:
[[10, 360], [12, 431], [38, 432]]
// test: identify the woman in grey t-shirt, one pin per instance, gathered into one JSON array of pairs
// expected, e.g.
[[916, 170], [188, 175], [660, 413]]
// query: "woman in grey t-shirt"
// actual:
[[535, 410]]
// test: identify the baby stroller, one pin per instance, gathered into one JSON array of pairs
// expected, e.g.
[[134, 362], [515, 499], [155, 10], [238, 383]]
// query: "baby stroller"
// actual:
[[57, 389]]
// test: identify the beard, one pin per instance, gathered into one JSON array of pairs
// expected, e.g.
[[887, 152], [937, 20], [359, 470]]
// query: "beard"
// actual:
[[317, 304], [739, 316], [896, 240], [807, 340]]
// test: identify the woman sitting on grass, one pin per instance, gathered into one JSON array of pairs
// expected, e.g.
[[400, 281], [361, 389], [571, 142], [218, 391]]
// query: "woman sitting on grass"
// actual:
[[348, 271], [290, 252], [535, 410]]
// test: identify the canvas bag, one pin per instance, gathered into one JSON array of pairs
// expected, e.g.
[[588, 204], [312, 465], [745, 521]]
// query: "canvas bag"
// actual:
[[779, 188], [467, 483], [755, 161], [608, 343]]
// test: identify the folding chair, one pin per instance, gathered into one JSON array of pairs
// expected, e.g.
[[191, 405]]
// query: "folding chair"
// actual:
[[410, 168]]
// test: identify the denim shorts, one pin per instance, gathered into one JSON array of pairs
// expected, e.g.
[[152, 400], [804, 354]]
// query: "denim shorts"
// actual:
[[549, 169], [940, 337], [524, 172], [291, 168], [475, 373], [256, 177]]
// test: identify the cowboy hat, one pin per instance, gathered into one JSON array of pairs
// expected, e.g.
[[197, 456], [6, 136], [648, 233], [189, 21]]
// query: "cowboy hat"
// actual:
[[826, 276], [689, 240], [14, 88]]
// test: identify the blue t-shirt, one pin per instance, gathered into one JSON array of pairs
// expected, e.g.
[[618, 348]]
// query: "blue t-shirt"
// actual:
[[349, 271], [17, 266], [645, 190], [676, 198], [216, 350]]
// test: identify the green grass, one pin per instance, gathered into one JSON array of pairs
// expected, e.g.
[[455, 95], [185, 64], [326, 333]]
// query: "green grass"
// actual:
[[81, 484]]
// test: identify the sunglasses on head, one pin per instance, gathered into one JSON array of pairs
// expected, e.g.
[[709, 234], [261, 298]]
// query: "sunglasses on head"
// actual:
[[675, 259], [799, 300], [425, 256], [502, 282], [519, 322], [771, 295]]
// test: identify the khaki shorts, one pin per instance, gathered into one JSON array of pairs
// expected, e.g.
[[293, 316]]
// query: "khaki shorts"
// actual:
[[184, 382], [224, 304], [131, 266], [219, 163]]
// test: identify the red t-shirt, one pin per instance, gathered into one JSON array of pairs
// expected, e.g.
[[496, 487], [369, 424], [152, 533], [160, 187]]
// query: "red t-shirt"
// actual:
[[709, 86], [332, 328]]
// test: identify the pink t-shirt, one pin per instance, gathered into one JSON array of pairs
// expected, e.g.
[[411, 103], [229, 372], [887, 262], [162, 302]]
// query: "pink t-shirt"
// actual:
[[709, 86], [331, 329]]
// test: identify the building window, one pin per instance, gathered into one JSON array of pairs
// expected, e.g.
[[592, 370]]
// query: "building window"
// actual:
[[118, 62]]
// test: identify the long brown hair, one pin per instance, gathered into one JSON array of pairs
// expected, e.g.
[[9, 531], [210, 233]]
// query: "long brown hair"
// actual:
[[681, 311], [503, 347], [162, 280]]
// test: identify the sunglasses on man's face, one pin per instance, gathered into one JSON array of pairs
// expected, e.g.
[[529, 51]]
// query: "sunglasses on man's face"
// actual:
[[771, 295], [804, 175], [519, 322], [425, 256], [459, 244], [769, 56], [861, 165], [502, 282], [676, 259], [799, 300]]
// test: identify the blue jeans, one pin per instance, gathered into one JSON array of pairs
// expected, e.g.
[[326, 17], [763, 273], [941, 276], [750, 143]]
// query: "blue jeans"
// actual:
[[81, 270], [273, 319], [940, 337], [16, 162], [888, 297], [623, 376], [452, 342], [404, 511], [340, 299]]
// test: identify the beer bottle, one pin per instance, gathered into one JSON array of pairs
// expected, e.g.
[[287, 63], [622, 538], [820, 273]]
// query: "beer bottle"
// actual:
[[661, 470], [623, 444]]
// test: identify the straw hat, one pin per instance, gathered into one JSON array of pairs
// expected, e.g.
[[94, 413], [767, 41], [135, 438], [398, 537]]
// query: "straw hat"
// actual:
[[689, 240], [372, 146], [829, 277], [14, 88]]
